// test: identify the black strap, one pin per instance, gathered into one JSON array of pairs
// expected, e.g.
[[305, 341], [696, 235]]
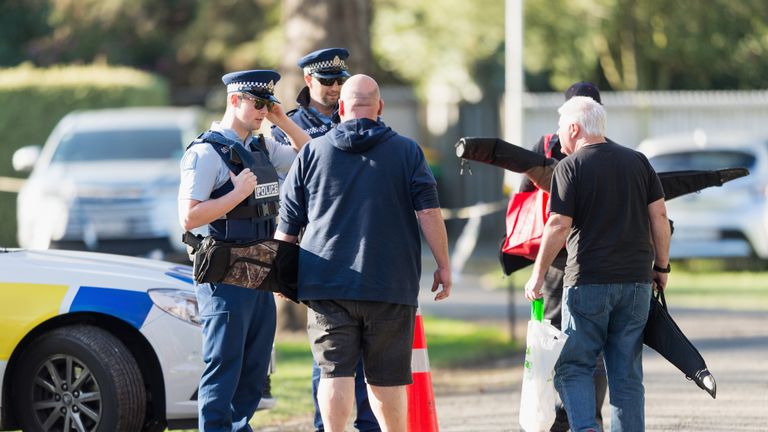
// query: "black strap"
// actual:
[[550, 141], [259, 211], [660, 269], [230, 151], [260, 143], [547, 147], [223, 147]]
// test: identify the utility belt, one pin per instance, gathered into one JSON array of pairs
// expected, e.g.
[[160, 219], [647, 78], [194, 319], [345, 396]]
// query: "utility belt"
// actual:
[[269, 265]]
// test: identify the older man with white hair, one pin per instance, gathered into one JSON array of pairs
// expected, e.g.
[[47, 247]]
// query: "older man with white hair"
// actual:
[[607, 203]]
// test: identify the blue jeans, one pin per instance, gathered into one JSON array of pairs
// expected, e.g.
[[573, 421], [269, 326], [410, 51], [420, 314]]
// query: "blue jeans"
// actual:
[[238, 331], [365, 421], [611, 318]]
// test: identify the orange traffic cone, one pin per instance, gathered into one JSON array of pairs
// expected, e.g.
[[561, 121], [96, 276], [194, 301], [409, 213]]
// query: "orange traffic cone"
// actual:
[[422, 416]]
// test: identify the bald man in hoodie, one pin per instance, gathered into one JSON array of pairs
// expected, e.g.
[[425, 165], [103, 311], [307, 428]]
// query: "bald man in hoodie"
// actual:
[[361, 192]]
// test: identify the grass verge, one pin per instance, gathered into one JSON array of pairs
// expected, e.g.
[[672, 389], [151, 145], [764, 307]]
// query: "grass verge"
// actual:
[[729, 290], [734, 290]]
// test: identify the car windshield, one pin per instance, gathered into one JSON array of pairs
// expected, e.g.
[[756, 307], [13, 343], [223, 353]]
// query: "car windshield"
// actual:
[[702, 160], [120, 145]]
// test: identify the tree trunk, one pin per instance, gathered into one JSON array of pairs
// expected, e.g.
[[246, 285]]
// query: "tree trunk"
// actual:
[[309, 25]]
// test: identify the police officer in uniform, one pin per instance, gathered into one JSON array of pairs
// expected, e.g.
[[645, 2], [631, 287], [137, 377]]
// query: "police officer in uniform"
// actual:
[[229, 182], [325, 71]]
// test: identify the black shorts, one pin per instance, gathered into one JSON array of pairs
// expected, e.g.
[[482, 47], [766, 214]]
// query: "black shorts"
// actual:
[[340, 331]]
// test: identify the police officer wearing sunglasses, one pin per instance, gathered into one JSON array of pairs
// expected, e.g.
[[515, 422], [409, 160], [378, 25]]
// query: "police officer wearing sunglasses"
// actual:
[[230, 183], [325, 70]]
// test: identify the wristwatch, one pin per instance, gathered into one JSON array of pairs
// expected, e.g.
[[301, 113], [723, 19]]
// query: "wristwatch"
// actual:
[[658, 269]]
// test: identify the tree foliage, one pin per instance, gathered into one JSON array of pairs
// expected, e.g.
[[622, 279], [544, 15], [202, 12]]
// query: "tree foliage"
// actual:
[[649, 44], [189, 41], [21, 22], [438, 43], [309, 25], [620, 44], [228, 35]]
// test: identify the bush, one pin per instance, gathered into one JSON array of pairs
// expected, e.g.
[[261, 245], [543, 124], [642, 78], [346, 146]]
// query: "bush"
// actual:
[[33, 100]]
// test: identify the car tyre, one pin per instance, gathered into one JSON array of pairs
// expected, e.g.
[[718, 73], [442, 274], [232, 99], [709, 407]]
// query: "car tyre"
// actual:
[[79, 378]]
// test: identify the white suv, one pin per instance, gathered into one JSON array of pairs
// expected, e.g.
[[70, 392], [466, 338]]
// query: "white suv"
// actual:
[[718, 222], [106, 180]]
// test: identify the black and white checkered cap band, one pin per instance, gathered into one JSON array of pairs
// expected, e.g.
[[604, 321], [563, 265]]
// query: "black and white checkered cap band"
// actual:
[[250, 85], [330, 65]]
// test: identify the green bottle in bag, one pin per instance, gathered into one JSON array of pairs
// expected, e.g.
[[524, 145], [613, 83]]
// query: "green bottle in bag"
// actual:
[[537, 309], [537, 395]]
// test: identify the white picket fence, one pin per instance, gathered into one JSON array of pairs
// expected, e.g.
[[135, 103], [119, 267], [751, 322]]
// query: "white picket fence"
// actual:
[[632, 117]]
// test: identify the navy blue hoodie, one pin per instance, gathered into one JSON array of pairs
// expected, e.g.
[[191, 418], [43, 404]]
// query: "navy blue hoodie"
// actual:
[[356, 189]]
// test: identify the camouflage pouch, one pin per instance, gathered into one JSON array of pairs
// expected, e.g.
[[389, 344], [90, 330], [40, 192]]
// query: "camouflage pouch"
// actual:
[[270, 265]]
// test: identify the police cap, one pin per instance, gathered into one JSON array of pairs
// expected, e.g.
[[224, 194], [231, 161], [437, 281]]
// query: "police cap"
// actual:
[[259, 83], [325, 63]]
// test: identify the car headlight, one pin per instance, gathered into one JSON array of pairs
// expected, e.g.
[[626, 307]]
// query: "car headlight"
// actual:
[[181, 304]]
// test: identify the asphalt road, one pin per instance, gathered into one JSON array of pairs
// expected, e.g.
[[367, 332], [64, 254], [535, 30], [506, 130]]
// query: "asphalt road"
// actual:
[[734, 345]]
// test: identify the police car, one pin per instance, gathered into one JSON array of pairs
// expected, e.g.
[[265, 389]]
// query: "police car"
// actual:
[[97, 342]]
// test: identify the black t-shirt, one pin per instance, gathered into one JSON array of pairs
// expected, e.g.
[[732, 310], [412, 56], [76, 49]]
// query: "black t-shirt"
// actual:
[[606, 188]]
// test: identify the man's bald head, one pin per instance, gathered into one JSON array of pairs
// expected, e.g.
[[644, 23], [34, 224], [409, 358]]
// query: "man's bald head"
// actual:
[[360, 98]]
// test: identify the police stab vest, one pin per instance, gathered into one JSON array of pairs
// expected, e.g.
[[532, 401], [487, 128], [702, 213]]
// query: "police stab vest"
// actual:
[[254, 217]]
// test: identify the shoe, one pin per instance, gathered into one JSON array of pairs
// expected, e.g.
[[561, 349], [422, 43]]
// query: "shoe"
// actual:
[[266, 403], [267, 400]]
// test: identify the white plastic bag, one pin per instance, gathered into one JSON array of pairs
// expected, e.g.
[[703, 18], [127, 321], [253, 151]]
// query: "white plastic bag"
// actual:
[[538, 398]]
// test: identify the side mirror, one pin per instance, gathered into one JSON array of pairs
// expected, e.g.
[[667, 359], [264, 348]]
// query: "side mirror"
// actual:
[[25, 158]]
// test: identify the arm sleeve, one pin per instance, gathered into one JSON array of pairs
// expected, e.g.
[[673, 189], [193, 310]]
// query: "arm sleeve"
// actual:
[[423, 184], [655, 190], [526, 185], [293, 205], [281, 156], [199, 170], [562, 198]]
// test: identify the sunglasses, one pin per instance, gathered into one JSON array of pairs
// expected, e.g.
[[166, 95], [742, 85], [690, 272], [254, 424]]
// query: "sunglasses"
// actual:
[[329, 81], [260, 103]]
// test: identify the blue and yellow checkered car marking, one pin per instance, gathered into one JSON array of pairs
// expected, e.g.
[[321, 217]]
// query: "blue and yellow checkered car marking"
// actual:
[[130, 306], [23, 306]]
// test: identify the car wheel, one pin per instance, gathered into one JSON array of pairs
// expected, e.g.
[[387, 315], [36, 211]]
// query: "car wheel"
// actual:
[[79, 378]]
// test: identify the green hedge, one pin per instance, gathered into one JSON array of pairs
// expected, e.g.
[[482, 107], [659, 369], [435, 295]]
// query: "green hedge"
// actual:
[[33, 100]]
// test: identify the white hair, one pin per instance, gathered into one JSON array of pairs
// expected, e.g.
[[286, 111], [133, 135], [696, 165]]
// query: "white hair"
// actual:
[[587, 113]]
